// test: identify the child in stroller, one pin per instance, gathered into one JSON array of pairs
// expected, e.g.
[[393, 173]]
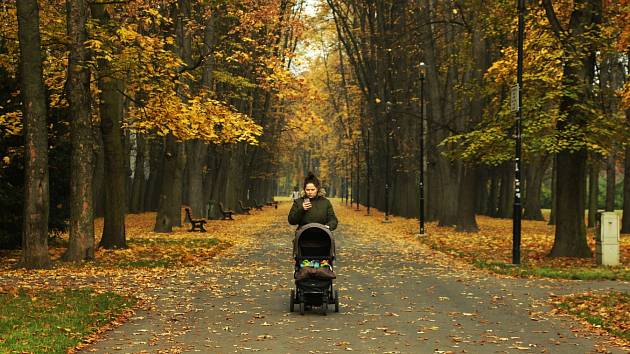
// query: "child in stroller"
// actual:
[[314, 254]]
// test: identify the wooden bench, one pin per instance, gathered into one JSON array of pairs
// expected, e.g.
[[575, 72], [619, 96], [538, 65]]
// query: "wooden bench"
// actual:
[[272, 203], [245, 209], [227, 213], [195, 223]]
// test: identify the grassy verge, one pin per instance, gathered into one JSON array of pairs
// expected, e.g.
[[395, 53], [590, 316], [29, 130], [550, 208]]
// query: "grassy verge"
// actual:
[[608, 311], [52, 322], [581, 273]]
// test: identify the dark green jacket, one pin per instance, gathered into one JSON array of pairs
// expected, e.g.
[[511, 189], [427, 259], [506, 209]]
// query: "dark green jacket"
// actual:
[[321, 212]]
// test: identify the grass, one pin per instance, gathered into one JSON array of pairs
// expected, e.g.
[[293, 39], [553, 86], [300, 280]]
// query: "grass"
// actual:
[[52, 322], [578, 273], [606, 310]]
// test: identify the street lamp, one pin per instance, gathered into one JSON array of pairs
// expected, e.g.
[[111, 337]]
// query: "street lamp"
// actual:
[[423, 69], [388, 109], [518, 107]]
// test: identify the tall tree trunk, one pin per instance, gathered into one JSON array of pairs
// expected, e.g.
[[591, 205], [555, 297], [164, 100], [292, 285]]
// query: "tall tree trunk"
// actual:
[[554, 183], [196, 152], [534, 174], [36, 188], [570, 235], [169, 209], [110, 111], [466, 221], [493, 195], [99, 173], [610, 181], [506, 196], [138, 186], [593, 190], [156, 170], [81, 243]]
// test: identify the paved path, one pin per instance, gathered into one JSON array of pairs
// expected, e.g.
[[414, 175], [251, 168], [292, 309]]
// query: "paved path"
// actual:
[[394, 299]]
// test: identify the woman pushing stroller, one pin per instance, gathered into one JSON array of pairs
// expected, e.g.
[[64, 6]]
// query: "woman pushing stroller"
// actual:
[[313, 249], [313, 206]]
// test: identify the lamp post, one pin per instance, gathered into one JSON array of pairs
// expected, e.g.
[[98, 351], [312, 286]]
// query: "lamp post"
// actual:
[[518, 106], [388, 110], [421, 182]]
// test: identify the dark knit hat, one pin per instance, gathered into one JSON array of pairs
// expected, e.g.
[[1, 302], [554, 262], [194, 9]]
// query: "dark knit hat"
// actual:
[[310, 178]]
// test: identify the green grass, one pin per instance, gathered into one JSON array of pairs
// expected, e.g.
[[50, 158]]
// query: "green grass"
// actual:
[[52, 322], [608, 312], [600, 273]]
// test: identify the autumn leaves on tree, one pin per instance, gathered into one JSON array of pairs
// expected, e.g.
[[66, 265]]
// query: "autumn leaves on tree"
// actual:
[[148, 105]]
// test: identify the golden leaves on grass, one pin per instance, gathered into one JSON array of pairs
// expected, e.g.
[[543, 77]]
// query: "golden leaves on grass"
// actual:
[[601, 310]]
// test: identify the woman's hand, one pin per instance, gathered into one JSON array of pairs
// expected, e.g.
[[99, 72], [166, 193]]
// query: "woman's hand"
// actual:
[[307, 204]]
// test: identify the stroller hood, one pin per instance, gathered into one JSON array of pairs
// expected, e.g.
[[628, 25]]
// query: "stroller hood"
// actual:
[[314, 240]]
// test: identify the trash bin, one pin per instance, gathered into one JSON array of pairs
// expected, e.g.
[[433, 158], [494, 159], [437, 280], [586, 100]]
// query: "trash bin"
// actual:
[[607, 238]]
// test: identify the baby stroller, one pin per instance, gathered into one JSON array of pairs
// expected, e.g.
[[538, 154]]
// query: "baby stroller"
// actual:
[[314, 254]]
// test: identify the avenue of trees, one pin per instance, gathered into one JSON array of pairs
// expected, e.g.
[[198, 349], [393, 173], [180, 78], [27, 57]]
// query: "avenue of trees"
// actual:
[[115, 107], [576, 108], [130, 106]]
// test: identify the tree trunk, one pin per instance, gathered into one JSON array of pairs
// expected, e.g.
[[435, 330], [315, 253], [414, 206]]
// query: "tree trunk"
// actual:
[[506, 196], [493, 195], [110, 111], [466, 221], [534, 174], [554, 183], [99, 173], [156, 170], [36, 188], [169, 209], [196, 152], [593, 190], [570, 235], [81, 243], [610, 182], [138, 186]]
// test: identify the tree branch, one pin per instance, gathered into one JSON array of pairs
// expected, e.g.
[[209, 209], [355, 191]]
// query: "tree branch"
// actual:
[[553, 19]]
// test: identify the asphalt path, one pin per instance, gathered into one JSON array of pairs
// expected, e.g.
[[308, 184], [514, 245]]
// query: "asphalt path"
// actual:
[[396, 297]]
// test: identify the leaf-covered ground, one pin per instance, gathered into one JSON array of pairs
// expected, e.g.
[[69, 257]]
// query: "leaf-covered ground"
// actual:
[[397, 296], [227, 290]]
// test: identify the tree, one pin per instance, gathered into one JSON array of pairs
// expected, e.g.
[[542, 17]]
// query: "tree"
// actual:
[[81, 243], [578, 71], [36, 198]]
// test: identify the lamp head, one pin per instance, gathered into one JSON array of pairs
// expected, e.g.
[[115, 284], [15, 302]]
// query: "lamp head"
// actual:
[[423, 70]]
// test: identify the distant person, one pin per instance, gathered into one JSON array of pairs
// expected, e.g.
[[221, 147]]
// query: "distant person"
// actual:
[[295, 194], [313, 207]]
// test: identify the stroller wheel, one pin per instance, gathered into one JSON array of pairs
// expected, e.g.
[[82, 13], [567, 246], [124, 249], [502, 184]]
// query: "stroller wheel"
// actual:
[[302, 308], [292, 301], [336, 300]]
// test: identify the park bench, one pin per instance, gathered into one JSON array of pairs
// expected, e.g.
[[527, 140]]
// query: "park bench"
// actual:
[[272, 203], [227, 213], [195, 223], [257, 206], [245, 209]]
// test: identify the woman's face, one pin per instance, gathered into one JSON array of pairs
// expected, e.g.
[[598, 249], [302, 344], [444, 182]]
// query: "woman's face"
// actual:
[[310, 190]]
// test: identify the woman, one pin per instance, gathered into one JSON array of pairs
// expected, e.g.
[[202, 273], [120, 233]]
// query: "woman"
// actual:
[[313, 207]]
